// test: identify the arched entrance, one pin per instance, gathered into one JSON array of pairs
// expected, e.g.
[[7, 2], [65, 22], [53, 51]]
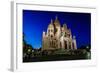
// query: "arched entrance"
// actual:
[[65, 43], [60, 45]]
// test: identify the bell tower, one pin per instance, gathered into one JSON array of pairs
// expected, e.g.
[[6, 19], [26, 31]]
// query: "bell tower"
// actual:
[[57, 27], [74, 43]]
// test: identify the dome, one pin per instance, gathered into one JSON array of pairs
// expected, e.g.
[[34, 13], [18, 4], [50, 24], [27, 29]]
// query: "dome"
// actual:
[[51, 24]]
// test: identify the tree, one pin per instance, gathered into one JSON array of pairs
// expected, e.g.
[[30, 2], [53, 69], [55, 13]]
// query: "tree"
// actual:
[[27, 48]]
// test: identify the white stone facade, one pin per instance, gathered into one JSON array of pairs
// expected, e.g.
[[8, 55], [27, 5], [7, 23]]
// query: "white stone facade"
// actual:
[[58, 37]]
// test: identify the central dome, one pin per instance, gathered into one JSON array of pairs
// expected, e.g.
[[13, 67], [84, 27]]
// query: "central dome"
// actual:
[[56, 22]]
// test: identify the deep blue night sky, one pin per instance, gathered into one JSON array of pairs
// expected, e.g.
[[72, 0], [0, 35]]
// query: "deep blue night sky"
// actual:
[[35, 22]]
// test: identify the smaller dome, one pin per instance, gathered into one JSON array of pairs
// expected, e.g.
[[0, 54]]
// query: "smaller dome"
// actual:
[[65, 26], [51, 24], [74, 37]]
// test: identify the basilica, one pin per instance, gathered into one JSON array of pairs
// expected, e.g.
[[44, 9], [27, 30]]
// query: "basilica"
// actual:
[[58, 37]]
